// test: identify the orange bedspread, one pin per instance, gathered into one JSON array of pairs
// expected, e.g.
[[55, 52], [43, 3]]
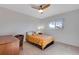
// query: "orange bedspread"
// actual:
[[41, 40]]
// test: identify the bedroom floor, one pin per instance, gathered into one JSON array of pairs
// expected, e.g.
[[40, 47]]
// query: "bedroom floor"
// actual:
[[56, 49]]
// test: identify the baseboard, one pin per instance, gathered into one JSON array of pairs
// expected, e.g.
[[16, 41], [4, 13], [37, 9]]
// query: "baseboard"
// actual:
[[68, 44]]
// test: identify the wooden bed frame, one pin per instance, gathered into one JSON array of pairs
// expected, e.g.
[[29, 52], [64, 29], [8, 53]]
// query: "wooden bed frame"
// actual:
[[40, 46], [9, 45]]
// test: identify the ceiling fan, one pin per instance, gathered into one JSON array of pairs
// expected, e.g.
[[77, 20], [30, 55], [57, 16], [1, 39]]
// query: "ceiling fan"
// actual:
[[41, 7]]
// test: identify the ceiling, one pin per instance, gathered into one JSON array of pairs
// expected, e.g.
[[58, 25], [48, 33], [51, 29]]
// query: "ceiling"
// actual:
[[51, 11]]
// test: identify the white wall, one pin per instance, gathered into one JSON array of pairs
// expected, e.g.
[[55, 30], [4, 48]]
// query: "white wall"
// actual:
[[12, 23], [70, 33]]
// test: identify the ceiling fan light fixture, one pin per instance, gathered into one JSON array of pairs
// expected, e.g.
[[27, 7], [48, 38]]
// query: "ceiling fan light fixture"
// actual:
[[40, 11]]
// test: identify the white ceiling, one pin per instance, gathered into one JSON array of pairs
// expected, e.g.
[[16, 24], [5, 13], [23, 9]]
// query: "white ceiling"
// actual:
[[52, 10]]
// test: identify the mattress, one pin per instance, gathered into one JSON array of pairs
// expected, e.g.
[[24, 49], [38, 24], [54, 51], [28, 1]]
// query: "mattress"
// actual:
[[41, 40]]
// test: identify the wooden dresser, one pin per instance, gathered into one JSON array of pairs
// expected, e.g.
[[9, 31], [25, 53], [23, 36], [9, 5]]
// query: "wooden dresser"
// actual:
[[9, 45]]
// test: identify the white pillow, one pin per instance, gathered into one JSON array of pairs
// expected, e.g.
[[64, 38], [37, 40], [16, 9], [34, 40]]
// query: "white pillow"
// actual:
[[30, 32]]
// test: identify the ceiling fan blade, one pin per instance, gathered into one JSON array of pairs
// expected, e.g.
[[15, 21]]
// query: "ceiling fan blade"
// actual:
[[44, 6], [36, 7]]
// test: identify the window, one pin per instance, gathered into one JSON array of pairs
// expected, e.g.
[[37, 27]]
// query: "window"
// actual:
[[57, 24]]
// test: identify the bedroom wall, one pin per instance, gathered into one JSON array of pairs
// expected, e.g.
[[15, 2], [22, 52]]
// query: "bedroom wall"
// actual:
[[70, 33], [12, 23]]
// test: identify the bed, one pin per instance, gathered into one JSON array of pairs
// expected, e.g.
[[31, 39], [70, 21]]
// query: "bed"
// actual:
[[40, 40]]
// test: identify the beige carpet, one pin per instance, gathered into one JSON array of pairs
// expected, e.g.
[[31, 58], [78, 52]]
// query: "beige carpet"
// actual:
[[56, 49]]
